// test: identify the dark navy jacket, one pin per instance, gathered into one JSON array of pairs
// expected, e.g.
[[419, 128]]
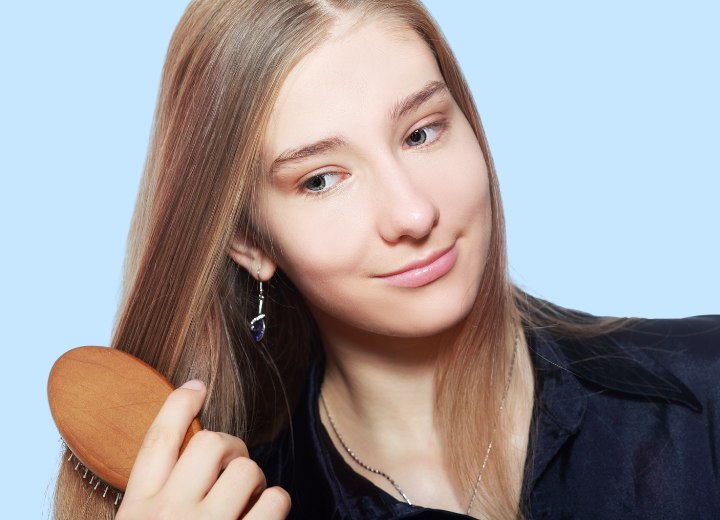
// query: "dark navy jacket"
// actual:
[[624, 426]]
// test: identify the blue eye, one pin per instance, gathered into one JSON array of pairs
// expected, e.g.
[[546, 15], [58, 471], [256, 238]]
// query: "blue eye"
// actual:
[[423, 135], [322, 182]]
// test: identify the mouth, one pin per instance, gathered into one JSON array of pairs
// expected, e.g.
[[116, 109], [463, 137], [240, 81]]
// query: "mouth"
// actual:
[[425, 271]]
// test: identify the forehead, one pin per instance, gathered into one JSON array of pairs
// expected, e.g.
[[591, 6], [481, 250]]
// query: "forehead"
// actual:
[[352, 79]]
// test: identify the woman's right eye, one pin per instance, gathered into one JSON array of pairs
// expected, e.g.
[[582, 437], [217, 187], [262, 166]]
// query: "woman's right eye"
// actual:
[[322, 182]]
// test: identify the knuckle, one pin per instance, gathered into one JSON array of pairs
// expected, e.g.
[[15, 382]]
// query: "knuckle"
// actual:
[[206, 438], [238, 446], [277, 500], [242, 447], [209, 442], [248, 470], [218, 444]]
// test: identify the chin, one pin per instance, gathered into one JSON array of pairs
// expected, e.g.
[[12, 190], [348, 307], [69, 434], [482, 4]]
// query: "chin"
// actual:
[[422, 323]]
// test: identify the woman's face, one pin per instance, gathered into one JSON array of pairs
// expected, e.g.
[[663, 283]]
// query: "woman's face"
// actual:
[[377, 203]]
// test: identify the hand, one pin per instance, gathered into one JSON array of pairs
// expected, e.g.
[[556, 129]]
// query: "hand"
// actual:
[[214, 477]]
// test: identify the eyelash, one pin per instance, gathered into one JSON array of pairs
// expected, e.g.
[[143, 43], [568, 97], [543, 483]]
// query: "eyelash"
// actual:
[[313, 193], [439, 126]]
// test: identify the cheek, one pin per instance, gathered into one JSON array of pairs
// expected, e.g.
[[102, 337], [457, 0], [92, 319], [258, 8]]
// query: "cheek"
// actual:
[[316, 247], [462, 190]]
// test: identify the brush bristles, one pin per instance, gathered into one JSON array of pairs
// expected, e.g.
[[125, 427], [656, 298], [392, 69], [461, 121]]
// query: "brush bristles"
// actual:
[[94, 480]]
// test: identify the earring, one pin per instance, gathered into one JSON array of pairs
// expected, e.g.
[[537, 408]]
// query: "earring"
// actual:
[[257, 324]]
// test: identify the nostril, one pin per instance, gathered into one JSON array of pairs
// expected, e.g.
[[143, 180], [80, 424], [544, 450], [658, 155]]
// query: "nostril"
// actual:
[[415, 219]]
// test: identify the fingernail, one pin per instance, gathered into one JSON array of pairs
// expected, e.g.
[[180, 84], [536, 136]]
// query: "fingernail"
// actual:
[[194, 384]]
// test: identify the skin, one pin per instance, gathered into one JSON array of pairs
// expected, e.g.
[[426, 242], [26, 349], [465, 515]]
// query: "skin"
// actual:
[[386, 176]]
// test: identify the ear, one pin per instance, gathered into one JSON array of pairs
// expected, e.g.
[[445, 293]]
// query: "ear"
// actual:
[[248, 255]]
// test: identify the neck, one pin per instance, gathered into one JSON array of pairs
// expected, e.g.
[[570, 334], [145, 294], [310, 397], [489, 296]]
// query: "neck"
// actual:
[[384, 386], [381, 395]]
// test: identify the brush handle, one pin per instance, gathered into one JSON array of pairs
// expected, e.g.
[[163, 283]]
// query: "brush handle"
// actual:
[[103, 401]]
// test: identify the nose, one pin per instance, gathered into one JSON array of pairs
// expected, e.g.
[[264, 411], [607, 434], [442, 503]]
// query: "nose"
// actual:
[[406, 209]]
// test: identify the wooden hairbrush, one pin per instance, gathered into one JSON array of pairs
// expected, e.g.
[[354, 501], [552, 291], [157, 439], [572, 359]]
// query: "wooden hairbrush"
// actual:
[[103, 401]]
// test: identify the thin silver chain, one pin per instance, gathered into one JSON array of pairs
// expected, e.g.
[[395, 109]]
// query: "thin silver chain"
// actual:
[[389, 478], [492, 435], [355, 457]]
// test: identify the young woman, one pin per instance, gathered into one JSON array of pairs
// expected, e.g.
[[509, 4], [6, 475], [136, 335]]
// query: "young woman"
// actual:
[[318, 247]]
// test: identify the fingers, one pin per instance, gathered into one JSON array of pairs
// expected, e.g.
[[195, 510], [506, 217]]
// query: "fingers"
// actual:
[[236, 490], [207, 454], [159, 451], [273, 504]]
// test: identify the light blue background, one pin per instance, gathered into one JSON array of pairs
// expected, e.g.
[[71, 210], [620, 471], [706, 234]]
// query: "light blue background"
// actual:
[[602, 118]]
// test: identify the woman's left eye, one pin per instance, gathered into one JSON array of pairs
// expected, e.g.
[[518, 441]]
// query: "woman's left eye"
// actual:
[[426, 134], [322, 182]]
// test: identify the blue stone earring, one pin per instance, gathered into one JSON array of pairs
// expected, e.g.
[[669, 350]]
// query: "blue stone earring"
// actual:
[[257, 324]]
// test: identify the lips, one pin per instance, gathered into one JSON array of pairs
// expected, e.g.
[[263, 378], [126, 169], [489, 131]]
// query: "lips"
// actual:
[[425, 271]]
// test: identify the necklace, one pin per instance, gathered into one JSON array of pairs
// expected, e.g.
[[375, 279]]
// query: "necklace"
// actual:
[[387, 477]]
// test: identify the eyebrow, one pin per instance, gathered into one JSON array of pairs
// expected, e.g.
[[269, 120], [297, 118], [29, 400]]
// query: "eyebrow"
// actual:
[[414, 101], [321, 147], [330, 144]]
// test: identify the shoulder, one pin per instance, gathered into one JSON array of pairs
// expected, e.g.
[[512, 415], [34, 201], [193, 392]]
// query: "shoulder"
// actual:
[[698, 333], [639, 408], [672, 359]]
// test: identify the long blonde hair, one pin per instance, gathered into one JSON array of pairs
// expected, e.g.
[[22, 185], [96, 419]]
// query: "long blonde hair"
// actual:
[[185, 304]]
